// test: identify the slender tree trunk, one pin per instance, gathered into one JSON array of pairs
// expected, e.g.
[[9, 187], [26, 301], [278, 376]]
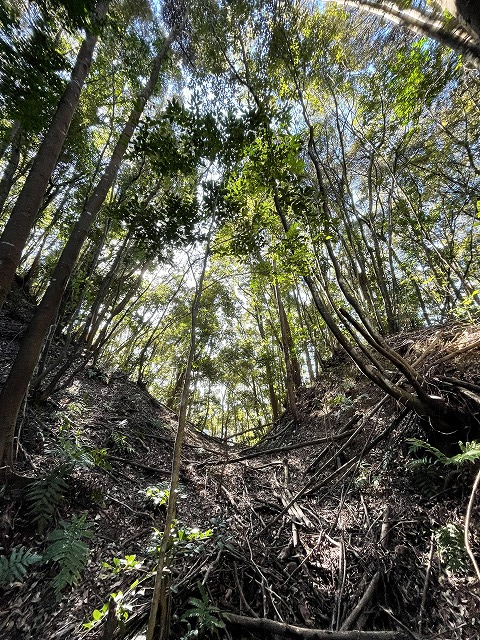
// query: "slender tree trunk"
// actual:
[[24, 214], [160, 599], [286, 343], [24, 365], [5, 143], [7, 178], [274, 403]]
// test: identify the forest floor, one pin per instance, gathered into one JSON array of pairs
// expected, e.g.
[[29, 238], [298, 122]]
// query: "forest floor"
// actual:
[[372, 540]]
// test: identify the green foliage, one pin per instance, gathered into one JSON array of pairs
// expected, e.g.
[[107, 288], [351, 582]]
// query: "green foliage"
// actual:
[[31, 66], [451, 548], [427, 479], [121, 442], [45, 495], [208, 621], [68, 551], [97, 616], [470, 451], [99, 457], [15, 566], [122, 564], [158, 494], [73, 453], [184, 541], [122, 609]]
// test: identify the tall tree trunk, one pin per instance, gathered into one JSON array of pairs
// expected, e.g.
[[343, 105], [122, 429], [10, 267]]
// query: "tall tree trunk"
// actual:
[[160, 598], [274, 403], [466, 13], [286, 348], [25, 211], [7, 178], [24, 365], [9, 136], [465, 42]]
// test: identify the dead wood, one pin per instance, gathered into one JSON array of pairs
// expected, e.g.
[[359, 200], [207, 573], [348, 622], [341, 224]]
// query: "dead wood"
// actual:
[[385, 530], [457, 352], [140, 465], [308, 489], [364, 600], [112, 622], [289, 447], [285, 630]]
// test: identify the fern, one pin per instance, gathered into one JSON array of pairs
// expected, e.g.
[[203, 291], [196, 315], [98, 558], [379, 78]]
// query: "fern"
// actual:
[[44, 497], [426, 478], [451, 547], [69, 551], [15, 566], [207, 615], [470, 451]]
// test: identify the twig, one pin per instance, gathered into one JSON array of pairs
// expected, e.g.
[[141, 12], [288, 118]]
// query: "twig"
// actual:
[[134, 463], [127, 506], [342, 573], [409, 633], [454, 354], [241, 594], [212, 566]]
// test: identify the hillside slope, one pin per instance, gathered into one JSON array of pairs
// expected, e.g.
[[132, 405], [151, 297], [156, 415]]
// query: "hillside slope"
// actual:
[[331, 523]]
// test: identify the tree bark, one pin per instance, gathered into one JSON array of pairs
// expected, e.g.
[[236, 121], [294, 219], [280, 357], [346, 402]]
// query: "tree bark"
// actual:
[[7, 178], [465, 42], [467, 13], [25, 211], [24, 365], [283, 630]]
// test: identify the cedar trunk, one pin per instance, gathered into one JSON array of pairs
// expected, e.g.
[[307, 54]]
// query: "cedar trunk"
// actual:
[[25, 211]]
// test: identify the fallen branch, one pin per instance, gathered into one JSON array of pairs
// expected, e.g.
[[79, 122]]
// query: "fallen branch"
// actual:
[[140, 465], [364, 600], [457, 352], [310, 487], [288, 447], [285, 630]]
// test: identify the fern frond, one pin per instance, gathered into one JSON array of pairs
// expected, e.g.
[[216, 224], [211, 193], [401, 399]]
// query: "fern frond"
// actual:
[[416, 444], [470, 452], [15, 566], [44, 497], [451, 547], [69, 551]]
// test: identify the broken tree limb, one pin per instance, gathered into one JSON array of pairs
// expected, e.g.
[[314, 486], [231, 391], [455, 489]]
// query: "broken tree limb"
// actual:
[[364, 600], [288, 447], [284, 630]]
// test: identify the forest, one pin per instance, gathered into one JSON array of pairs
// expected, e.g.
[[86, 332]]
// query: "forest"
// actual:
[[239, 319]]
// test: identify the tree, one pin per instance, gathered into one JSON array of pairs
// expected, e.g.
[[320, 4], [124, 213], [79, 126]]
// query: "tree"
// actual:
[[25, 211], [22, 369]]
